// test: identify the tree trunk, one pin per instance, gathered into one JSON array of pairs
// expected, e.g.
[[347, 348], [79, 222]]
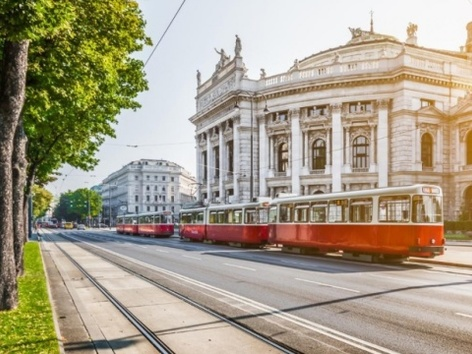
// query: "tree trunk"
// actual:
[[12, 94], [20, 203]]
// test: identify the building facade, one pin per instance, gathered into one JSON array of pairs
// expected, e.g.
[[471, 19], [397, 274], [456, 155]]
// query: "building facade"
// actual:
[[374, 112], [146, 186]]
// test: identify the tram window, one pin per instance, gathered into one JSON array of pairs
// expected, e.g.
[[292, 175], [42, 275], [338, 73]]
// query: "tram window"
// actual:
[[185, 218], [273, 214], [263, 215], [250, 216], [338, 210], [213, 217], [199, 218], [318, 212], [427, 209], [238, 216], [286, 212], [221, 217], [394, 208], [361, 210], [301, 213]]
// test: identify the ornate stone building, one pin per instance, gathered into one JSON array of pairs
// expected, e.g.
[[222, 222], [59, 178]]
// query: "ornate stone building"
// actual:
[[374, 112]]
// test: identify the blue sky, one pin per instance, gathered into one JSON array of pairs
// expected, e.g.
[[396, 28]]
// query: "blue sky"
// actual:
[[273, 32]]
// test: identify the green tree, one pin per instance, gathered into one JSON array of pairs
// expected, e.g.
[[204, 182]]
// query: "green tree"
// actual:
[[76, 205], [80, 76], [42, 200]]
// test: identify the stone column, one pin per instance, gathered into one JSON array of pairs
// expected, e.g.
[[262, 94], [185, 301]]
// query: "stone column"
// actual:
[[373, 160], [383, 143], [236, 161], [223, 162], [263, 155], [296, 151], [210, 167], [337, 150]]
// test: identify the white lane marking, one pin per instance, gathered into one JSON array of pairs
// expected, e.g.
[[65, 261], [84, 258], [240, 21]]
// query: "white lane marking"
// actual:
[[240, 267], [191, 257], [162, 251], [140, 246], [327, 285], [463, 315]]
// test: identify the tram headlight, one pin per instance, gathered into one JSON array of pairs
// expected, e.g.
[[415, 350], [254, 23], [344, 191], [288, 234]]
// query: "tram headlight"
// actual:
[[433, 241]]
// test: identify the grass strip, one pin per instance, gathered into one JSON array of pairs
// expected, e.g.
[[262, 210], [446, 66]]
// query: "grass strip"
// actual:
[[30, 327]]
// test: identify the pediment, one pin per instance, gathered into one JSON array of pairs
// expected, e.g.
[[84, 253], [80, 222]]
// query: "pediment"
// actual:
[[431, 111], [463, 107]]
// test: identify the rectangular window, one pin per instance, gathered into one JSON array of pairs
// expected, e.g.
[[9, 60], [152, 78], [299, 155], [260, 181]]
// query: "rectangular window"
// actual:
[[427, 209], [221, 217], [148, 198], [301, 212], [360, 107], [394, 208], [286, 212], [136, 198], [426, 103], [361, 210], [318, 212], [338, 210]]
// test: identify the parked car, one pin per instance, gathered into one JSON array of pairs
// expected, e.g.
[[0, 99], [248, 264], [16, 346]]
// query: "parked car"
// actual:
[[80, 227]]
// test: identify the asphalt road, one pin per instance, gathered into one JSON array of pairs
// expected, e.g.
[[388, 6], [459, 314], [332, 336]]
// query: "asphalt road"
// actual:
[[304, 300]]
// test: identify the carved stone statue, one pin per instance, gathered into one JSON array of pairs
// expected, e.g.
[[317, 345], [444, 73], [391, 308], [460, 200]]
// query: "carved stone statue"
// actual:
[[238, 47], [223, 58], [411, 30], [263, 74], [199, 78]]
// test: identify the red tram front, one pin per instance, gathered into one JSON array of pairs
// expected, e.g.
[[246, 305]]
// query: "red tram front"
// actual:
[[192, 225], [394, 222], [127, 224]]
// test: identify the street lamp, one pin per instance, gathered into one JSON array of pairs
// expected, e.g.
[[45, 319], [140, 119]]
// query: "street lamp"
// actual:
[[253, 96]]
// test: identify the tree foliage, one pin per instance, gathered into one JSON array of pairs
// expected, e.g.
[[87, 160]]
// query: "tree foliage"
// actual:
[[75, 57], [74, 205], [42, 201], [78, 82]]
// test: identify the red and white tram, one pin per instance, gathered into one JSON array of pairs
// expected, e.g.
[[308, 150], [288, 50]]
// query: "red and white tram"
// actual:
[[235, 224], [127, 224], [383, 223], [154, 224]]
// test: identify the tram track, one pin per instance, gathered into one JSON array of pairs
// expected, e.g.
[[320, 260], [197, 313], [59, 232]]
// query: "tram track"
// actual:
[[148, 333]]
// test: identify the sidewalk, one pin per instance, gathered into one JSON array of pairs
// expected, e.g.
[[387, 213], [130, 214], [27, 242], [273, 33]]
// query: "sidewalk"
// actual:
[[457, 258]]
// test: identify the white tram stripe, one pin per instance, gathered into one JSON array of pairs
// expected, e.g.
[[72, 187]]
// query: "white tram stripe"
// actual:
[[328, 285], [192, 257], [463, 315], [240, 267]]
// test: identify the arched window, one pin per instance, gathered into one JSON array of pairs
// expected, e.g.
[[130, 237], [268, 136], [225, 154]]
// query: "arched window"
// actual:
[[427, 150], [283, 158], [318, 155], [360, 152], [467, 211], [469, 148]]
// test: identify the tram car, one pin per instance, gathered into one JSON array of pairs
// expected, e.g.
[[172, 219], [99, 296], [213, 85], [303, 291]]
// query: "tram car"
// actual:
[[153, 224], [127, 224], [156, 224], [243, 225], [391, 223]]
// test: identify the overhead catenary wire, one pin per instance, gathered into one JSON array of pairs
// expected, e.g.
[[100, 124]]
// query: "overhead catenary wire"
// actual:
[[162, 37]]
